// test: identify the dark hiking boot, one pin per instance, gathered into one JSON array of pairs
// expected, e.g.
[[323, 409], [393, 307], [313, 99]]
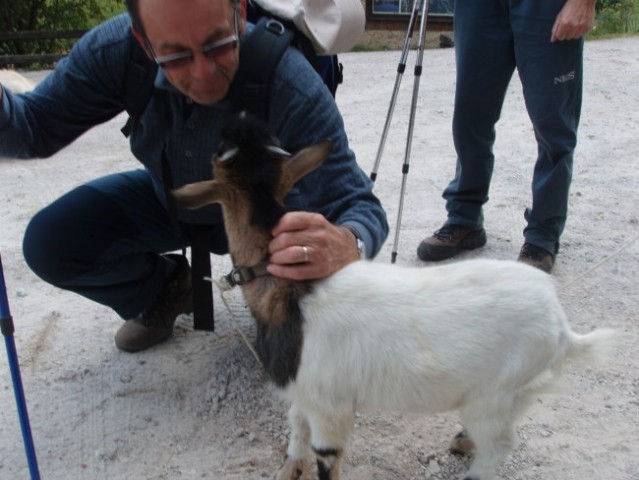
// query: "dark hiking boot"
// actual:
[[448, 241], [536, 257], [155, 324]]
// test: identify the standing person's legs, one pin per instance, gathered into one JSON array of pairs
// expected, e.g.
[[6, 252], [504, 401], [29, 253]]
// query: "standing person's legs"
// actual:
[[104, 240], [552, 76], [485, 63]]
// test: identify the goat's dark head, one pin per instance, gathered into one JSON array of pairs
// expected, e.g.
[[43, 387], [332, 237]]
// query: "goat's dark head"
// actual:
[[250, 165]]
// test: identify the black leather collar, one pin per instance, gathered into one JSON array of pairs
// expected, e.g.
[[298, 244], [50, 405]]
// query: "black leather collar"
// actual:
[[243, 275]]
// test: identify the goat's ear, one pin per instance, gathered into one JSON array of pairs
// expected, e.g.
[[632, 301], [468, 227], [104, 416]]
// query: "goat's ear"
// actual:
[[305, 161], [200, 194]]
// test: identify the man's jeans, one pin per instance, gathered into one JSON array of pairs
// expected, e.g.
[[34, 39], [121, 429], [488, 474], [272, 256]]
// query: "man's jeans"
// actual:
[[492, 39]]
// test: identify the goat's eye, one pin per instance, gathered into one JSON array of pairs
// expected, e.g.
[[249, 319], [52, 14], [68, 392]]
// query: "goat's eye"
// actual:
[[228, 154]]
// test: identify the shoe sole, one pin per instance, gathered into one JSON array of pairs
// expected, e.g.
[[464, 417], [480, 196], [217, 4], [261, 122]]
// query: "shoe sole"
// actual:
[[138, 348], [540, 265], [433, 253]]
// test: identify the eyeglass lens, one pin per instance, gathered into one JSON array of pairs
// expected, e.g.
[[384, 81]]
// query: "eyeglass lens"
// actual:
[[212, 51]]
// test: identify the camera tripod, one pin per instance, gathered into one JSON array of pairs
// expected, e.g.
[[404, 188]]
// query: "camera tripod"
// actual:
[[420, 10]]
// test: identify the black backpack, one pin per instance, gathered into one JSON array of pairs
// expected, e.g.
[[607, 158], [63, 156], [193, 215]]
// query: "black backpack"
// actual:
[[327, 66]]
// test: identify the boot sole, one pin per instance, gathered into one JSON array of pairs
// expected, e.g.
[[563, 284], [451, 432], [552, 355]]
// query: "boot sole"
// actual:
[[134, 348]]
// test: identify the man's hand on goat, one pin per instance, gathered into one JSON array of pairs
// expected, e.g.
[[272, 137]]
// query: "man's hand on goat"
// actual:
[[307, 246]]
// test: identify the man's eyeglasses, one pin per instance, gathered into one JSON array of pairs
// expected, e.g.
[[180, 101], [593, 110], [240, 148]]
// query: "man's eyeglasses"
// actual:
[[212, 51]]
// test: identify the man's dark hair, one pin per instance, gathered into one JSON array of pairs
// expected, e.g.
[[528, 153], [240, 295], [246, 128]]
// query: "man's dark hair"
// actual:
[[133, 8], [134, 13]]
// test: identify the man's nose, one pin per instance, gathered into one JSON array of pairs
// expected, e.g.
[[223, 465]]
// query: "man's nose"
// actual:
[[202, 67]]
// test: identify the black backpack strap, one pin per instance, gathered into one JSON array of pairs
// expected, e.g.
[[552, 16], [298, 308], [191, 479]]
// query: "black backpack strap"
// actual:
[[201, 287], [200, 256], [260, 53], [138, 85]]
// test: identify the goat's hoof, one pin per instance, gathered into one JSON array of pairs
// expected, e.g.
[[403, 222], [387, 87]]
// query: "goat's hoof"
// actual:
[[291, 469], [462, 445]]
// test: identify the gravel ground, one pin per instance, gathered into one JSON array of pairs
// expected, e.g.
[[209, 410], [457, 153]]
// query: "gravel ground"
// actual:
[[199, 406]]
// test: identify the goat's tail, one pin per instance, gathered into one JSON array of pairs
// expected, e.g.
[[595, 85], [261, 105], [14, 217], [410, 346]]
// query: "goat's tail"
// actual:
[[591, 348]]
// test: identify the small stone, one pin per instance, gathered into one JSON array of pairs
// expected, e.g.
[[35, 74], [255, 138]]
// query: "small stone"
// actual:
[[433, 466]]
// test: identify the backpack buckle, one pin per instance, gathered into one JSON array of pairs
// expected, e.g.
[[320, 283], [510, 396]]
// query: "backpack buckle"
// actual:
[[275, 26]]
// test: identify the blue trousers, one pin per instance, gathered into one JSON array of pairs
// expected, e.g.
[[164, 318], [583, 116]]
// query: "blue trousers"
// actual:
[[104, 240], [492, 39]]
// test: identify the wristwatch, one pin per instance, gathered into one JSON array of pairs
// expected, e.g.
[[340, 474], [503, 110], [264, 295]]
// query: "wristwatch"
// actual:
[[359, 244]]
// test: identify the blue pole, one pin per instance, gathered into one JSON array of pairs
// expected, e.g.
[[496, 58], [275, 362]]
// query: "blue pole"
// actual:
[[6, 323]]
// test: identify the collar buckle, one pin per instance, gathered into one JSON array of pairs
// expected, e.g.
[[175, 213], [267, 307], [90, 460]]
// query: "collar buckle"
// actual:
[[243, 275]]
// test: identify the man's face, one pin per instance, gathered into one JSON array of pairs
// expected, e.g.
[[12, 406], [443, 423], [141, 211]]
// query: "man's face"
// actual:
[[174, 27]]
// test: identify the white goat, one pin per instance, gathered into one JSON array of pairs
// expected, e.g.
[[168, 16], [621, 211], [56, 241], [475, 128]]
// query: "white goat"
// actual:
[[14, 81], [477, 336]]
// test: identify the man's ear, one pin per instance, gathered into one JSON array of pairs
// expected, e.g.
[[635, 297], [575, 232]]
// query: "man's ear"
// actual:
[[242, 13], [140, 39]]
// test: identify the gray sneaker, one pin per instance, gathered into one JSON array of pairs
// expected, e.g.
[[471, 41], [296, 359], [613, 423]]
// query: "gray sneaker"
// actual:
[[536, 257], [155, 324], [448, 241]]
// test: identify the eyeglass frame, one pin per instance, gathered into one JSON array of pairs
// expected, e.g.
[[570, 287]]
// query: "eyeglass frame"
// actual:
[[162, 60]]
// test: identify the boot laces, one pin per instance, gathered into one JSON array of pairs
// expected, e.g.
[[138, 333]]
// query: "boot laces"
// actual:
[[533, 252], [444, 233]]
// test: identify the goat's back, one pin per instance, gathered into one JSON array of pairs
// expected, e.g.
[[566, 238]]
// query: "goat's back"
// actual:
[[459, 329]]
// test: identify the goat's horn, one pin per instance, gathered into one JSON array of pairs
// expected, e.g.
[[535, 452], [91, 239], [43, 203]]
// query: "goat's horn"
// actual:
[[226, 156], [278, 150]]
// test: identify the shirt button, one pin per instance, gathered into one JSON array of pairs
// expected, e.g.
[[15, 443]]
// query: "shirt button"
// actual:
[[188, 154], [188, 100]]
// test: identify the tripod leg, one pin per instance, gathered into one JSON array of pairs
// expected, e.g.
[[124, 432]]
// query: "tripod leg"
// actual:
[[411, 123], [398, 80]]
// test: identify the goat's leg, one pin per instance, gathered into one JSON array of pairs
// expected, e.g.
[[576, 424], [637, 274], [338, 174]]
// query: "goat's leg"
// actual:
[[330, 433], [490, 423], [299, 446]]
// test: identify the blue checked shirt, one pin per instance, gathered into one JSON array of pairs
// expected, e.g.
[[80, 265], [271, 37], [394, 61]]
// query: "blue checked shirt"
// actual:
[[88, 88]]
